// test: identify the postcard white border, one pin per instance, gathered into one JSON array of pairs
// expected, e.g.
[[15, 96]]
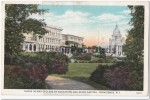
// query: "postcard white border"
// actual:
[[101, 92]]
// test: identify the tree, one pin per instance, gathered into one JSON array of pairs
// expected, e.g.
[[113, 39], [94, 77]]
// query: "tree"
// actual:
[[17, 21], [102, 52], [95, 48], [135, 39]]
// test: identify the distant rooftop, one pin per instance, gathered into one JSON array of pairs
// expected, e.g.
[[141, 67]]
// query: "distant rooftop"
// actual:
[[55, 27], [72, 35]]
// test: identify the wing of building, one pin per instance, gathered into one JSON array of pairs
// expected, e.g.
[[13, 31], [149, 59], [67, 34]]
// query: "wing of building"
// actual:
[[53, 41], [116, 43]]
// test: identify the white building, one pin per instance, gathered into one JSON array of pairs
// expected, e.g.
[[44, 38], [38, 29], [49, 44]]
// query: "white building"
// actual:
[[116, 43], [73, 40], [53, 41]]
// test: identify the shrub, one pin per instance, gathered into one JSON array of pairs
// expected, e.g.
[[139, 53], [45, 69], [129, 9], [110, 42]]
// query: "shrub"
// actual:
[[137, 81], [107, 59], [76, 61], [22, 82], [97, 75], [57, 63], [59, 67], [101, 60], [47, 58], [82, 56], [24, 78], [121, 58], [118, 76]]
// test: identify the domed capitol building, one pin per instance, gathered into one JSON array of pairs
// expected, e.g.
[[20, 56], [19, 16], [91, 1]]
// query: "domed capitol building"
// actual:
[[116, 43]]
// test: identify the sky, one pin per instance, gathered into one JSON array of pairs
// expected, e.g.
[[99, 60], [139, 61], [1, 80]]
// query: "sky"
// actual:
[[93, 22]]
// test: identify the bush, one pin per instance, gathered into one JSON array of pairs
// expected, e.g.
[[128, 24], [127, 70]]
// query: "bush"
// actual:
[[118, 77], [82, 56], [107, 59], [56, 63], [137, 81], [24, 78], [47, 58], [101, 60], [97, 75], [59, 67], [22, 82], [121, 58]]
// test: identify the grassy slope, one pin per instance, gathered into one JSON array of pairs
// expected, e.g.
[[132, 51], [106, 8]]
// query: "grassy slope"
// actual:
[[81, 72]]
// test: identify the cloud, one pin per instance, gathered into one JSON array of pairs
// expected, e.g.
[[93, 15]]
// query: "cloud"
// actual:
[[108, 17], [85, 24], [71, 14], [126, 11], [68, 18], [73, 17]]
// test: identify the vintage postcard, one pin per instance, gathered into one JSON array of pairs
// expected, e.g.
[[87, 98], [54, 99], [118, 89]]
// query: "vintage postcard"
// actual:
[[75, 48]]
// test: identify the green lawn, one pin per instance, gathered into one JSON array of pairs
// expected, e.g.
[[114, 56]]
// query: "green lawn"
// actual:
[[81, 72]]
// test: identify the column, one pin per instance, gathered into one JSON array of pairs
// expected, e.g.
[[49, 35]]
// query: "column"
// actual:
[[32, 48], [116, 50], [121, 49], [28, 47], [44, 46], [55, 41], [37, 46], [69, 50]]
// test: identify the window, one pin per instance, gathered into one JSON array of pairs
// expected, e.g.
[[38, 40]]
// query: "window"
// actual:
[[34, 47], [46, 46], [30, 47]]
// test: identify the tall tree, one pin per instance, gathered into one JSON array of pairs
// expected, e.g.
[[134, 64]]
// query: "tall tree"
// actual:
[[102, 52], [17, 21], [135, 39]]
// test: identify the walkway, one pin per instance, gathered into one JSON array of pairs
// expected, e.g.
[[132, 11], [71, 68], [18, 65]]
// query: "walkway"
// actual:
[[59, 83]]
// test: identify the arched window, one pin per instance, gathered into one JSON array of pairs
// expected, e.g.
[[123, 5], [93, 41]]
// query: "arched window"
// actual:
[[30, 47], [34, 47]]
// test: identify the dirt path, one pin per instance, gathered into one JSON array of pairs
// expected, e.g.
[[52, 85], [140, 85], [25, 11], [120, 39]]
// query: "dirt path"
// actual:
[[59, 83]]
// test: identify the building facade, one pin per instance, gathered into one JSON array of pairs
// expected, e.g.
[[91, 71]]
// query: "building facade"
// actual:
[[53, 41], [72, 40], [116, 43]]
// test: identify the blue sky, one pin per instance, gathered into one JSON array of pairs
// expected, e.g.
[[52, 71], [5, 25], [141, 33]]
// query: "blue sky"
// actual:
[[95, 10], [87, 21]]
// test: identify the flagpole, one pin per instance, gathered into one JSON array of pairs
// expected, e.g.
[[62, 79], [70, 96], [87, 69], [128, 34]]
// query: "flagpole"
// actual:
[[98, 38]]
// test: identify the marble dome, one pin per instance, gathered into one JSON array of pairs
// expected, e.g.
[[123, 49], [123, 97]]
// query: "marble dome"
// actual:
[[116, 31]]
